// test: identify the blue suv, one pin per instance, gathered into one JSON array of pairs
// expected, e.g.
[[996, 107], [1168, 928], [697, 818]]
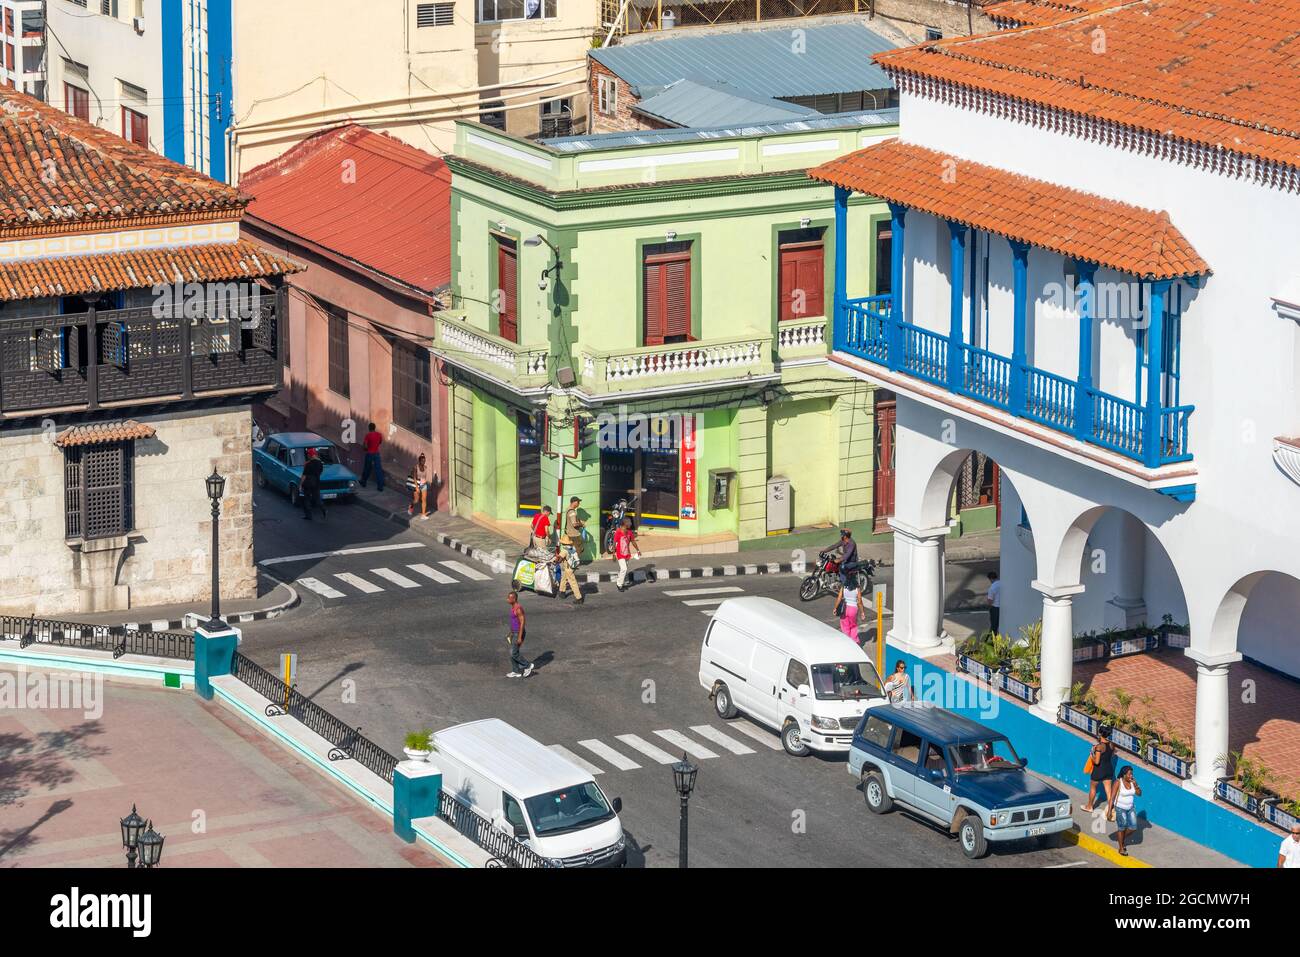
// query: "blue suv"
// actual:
[[955, 772]]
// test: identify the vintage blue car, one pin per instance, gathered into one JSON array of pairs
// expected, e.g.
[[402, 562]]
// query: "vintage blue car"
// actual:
[[955, 772], [278, 460]]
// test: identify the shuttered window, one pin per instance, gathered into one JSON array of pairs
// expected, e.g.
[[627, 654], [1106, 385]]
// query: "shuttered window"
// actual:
[[99, 495], [802, 280], [666, 293], [340, 371], [507, 293], [412, 388], [434, 14]]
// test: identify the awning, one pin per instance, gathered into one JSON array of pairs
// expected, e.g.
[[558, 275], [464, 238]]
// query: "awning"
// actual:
[[101, 433], [1076, 224]]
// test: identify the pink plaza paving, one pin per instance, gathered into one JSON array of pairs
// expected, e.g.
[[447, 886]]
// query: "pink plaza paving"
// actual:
[[65, 782]]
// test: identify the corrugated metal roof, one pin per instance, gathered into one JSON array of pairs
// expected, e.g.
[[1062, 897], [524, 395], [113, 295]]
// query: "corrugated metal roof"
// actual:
[[818, 121], [835, 58], [692, 103], [390, 211]]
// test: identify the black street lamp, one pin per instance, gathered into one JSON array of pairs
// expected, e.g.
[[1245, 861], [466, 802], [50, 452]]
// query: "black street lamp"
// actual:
[[684, 780], [151, 846], [216, 488], [132, 825]]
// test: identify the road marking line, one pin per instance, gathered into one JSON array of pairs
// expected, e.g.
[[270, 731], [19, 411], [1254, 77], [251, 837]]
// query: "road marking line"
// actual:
[[580, 762], [686, 744], [342, 551], [473, 574], [646, 748], [356, 581], [603, 750], [428, 571], [1093, 846], [394, 577], [677, 592], [717, 737], [1070, 864], [707, 611], [704, 601], [761, 735], [320, 588]]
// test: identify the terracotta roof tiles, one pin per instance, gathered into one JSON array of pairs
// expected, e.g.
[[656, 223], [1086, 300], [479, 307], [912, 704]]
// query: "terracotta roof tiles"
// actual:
[[56, 169], [75, 275], [1068, 221], [1219, 73], [98, 433]]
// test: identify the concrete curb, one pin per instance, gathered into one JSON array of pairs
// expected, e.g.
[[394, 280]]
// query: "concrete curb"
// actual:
[[1093, 846], [191, 620]]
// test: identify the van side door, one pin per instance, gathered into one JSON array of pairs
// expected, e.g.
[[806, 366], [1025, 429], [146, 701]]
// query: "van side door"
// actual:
[[796, 676], [513, 812], [934, 783], [766, 671]]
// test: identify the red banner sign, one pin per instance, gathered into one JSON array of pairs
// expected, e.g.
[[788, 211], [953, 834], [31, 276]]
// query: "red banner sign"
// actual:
[[690, 455]]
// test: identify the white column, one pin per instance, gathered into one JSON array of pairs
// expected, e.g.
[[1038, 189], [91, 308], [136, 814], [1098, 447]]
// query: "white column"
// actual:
[[1126, 573], [922, 631], [1211, 717], [1057, 666]]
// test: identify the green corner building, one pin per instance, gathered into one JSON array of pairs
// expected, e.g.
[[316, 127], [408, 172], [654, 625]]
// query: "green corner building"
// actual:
[[652, 311]]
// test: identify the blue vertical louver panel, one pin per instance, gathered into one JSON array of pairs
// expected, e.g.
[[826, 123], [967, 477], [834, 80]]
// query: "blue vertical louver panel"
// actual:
[[173, 76], [221, 88]]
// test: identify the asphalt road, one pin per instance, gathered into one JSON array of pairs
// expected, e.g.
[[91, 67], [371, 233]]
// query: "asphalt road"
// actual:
[[396, 648]]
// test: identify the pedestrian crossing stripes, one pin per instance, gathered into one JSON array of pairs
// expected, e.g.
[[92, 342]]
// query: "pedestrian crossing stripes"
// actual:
[[375, 581], [627, 752], [678, 592], [691, 596]]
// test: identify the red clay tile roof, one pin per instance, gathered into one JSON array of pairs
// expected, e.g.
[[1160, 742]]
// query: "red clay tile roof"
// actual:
[[98, 433], [1039, 12], [1067, 221], [56, 169], [73, 275], [1221, 73], [390, 211]]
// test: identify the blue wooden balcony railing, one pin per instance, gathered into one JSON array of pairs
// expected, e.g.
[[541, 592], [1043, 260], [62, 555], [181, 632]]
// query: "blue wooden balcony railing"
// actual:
[[1089, 414]]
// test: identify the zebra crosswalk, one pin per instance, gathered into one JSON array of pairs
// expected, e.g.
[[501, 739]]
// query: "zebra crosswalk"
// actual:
[[397, 578], [704, 597], [632, 752]]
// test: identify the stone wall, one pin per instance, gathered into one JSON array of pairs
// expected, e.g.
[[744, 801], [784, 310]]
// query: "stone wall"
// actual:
[[166, 559], [913, 17], [623, 119]]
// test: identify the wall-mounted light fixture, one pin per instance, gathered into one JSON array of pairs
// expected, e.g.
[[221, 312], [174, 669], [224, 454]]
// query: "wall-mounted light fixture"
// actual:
[[544, 282], [805, 223], [671, 235]]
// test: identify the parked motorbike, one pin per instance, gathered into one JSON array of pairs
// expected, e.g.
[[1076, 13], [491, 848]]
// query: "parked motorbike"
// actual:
[[616, 516], [825, 577]]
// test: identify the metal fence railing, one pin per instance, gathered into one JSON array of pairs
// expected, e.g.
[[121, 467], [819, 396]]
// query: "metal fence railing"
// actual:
[[120, 641], [348, 742]]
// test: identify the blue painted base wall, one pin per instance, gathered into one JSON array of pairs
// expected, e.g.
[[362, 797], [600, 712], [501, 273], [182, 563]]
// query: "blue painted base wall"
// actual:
[[1056, 752]]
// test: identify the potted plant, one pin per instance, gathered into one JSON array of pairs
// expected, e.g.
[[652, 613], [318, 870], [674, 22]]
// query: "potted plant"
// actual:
[[1248, 786], [419, 745], [1174, 635], [1282, 812], [1088, 647], [1081, 711], [1124, 733]]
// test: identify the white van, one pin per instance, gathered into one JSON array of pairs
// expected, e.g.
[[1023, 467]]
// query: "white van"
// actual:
[[789, 671], [526, 789]]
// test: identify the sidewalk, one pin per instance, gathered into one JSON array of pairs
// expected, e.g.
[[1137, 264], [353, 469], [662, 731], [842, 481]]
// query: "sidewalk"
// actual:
[[496, 550], [273, 599]]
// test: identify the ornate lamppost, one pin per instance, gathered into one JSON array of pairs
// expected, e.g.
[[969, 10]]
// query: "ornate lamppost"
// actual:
[[216, 488], [132, 825], [684, 780]]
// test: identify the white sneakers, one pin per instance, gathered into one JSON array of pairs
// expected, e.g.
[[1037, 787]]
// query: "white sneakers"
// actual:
[[514, 674], [528, 671]]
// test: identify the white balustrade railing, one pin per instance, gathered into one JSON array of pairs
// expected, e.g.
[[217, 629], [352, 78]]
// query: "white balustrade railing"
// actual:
[[472, 344], [686, 360], [800, 335]]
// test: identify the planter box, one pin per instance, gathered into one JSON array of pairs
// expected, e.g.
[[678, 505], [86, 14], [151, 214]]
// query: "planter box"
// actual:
[[976, 669], [1136, 645], [998, 679], [1229, 793], [1278, 817], [1078, 719], [1168, 761], [1091, 651], [1173, 637], [1125, 742], [1019, 689]]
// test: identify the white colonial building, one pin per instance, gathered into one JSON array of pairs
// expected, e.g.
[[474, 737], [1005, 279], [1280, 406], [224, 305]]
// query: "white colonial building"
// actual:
[[1094, 283]]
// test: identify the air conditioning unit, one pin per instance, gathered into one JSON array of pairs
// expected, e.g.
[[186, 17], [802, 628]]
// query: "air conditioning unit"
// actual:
[[138, 24]]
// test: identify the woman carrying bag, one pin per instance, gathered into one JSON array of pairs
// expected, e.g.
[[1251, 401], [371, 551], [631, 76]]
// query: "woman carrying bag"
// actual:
[[849, 608], [1100, 769]]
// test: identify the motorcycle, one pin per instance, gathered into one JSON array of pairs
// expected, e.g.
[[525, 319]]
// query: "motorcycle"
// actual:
[[825, 577], [616, 516]]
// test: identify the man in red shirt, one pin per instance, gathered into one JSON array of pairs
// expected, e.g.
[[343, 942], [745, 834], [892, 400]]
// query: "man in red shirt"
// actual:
[[542, 527], [624, 549], [373, 460]]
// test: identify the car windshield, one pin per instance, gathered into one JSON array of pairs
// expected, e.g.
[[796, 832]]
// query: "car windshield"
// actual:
[[298, 457], [569, 809], [854, 679], [980, 756]]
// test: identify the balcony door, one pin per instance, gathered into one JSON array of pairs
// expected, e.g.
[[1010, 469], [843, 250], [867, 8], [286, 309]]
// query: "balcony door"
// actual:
[[507, 289], [666, 293], [803, 275]]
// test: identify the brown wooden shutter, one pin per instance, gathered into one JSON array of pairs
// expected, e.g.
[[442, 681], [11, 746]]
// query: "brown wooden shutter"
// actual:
[[666, 295], [508, 281], [802, 271]]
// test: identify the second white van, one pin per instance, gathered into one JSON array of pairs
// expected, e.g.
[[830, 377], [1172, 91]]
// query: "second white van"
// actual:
[[788, 671]]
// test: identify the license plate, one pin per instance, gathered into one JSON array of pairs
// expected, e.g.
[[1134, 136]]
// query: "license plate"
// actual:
[[1035, 831], [329, 495]]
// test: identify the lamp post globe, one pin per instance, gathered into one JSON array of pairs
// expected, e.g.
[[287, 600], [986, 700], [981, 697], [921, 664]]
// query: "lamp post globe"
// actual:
[[216, 486], [151, 846], [132, 825], [684, 781]]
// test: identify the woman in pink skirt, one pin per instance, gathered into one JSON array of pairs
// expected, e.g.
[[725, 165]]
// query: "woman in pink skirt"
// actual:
[[850, 608]]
